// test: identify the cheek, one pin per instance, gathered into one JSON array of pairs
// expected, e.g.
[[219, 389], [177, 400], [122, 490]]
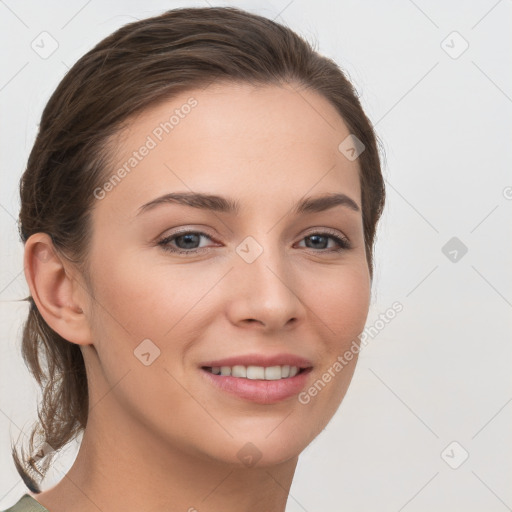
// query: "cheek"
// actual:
[[342, 304], [145, 300], [167, 304], [341, 300]]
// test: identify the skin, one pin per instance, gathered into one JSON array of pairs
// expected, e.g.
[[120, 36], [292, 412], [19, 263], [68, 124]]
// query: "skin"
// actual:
[[160, 437]]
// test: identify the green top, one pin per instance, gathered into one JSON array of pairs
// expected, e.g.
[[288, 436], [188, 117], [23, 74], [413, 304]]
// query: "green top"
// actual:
[[26, 504]]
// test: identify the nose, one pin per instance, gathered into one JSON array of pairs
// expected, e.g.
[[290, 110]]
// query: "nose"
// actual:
[[265, 293]]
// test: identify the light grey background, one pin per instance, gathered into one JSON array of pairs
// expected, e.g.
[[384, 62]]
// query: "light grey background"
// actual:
[[439, 372]]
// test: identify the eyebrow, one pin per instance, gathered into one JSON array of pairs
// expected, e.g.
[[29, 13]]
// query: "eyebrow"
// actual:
[[221, 204]]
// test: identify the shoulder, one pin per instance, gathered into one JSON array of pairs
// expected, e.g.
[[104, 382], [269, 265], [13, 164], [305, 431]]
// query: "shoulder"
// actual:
[[26, 504]]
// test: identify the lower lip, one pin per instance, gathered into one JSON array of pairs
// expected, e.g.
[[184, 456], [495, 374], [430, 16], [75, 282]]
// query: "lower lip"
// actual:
[[260, 391]]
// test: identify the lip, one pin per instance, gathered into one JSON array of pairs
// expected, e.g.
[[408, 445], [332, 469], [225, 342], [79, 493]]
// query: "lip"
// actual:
[[259, 391], [261, 360]]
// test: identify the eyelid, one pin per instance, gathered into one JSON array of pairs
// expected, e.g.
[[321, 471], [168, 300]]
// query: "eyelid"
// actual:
[[320, 229], [203, 231]]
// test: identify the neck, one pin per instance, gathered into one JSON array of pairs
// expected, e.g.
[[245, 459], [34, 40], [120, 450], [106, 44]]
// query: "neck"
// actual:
[[121, 467]]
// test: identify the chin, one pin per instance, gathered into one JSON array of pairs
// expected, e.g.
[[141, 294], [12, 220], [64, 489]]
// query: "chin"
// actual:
[[261, 451]]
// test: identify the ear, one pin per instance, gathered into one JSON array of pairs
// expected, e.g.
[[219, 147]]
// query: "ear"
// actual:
[[59, 297]]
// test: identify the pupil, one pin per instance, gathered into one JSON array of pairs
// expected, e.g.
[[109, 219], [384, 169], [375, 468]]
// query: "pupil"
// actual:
[[316, 237], [188, 236]]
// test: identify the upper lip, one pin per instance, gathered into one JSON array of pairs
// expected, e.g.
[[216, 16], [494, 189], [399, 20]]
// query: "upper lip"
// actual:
[[261, 360]]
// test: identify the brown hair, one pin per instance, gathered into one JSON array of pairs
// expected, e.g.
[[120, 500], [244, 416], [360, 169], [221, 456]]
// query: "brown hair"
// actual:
[[139, 65]]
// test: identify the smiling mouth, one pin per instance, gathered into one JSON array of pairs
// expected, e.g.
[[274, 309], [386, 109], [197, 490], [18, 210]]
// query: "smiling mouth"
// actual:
[[277, 372]]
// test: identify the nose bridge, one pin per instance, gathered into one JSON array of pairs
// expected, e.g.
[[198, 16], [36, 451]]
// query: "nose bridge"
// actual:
[[267, 284]]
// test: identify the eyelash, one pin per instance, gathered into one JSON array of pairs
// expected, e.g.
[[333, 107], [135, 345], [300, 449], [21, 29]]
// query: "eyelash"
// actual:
[[343, 242]]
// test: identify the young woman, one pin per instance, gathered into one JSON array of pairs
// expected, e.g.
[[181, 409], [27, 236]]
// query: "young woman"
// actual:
[[198, 212]]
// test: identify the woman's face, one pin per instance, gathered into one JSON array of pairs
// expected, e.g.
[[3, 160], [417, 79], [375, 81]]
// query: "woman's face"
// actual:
[[267, 286]]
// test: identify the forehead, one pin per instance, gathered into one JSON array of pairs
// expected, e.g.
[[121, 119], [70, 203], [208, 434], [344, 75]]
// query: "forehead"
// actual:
[[253, 143]]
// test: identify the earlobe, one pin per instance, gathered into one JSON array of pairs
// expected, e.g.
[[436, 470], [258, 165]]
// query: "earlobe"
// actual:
[[54, 290]]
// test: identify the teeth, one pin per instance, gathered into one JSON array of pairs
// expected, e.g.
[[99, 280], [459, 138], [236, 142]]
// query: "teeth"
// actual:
[[273, 373], [225, 370], [239, 371], [256, 372]]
